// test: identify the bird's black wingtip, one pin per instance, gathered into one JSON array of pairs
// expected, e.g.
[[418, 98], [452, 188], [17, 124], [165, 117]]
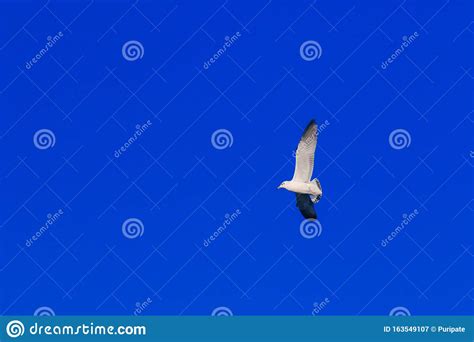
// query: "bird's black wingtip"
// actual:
[[306, 206], [310, 124]]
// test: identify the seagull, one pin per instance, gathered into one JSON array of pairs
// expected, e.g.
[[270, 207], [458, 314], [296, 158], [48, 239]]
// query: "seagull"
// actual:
[[308, 192]]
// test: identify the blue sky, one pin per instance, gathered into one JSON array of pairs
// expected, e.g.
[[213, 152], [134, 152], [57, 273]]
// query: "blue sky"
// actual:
[[206, 103]]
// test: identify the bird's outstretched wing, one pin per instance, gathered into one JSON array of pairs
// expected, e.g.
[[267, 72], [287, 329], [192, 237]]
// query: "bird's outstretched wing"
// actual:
[[305, 154], [306, 206]]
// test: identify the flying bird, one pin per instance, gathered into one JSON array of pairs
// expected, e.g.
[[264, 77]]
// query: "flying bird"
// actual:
[[308, 192]]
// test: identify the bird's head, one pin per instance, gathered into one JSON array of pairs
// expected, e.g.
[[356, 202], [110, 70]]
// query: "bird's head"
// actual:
[[283, 185]]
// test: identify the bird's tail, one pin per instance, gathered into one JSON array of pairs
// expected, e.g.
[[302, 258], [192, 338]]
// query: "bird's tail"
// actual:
[[316, 198]]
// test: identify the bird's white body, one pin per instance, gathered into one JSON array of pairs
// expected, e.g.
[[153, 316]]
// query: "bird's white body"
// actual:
[[303, 188]]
